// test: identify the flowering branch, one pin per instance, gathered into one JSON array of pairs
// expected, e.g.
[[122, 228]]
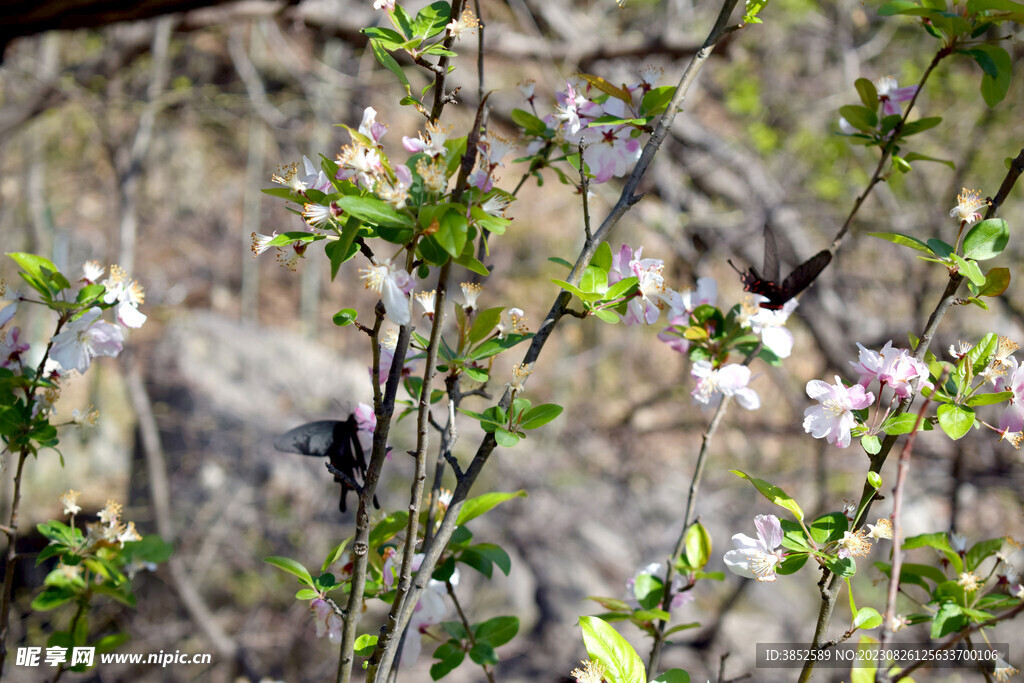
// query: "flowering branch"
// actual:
[[830, 583], [432, 551], [903, 468]]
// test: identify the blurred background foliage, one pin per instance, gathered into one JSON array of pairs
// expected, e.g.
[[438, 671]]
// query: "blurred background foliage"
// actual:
[[146, 144]]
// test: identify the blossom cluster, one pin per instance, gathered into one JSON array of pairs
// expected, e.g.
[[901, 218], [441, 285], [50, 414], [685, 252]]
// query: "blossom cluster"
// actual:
[[80, 337], [338, 192], [833, 418]]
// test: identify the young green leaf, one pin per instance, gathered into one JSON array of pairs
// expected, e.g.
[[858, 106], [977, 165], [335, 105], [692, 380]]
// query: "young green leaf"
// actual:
[[605, 645]]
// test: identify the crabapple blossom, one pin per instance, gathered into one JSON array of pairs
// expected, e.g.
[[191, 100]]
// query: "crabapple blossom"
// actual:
[[86, 338], [892, 367], [889, 94], [833, 417], [327, 621], [968, 203], [757, 558], [770, 324], [127, 294], [393, 284], [730, 380], [653, 295], [681, 306], [1012, 419], [430, 610]]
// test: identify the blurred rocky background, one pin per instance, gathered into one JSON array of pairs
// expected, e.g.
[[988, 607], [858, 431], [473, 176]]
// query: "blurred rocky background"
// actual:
[[145, 142]]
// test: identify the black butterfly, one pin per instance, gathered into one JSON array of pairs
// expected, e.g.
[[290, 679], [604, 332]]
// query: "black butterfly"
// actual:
[[796, 282], [338, 441]]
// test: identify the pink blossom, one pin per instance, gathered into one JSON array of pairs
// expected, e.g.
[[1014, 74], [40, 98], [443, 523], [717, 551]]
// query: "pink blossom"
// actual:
[[370, 126], [366, 423], [770, 324], [1012, 419], [833, 418], [889, 94], [431, 608], [85, 339], [757, 558], [11, 349], [681, 306], [891, 367], [730, 380], [327, 620]]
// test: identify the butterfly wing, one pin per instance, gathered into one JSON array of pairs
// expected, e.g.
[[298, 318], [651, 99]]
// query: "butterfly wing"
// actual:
[[337, 440], [312, 438], [804, 274]]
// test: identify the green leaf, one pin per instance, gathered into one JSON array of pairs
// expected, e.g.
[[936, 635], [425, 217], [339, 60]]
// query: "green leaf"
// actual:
[[870, 444], [389, 63], [994, 88], [981, 551], [52, 597], [594, 280], [844, 568], [450, 656], [483, 654], [986, 240], [829, 527], [345, 316], [920, 125], [902, 424], [903, 240], [996, 282], [859, 117], [940, 248], [875, 480], [530, 123], [432, 19], [949, 619], [773, 493], [374, 211], [867, 618], [906, 7], [486, 320], [914, 156], [696, 546], [365, 645], [605, 645], [505, 438], [474, 507], [389, 39], [955, 420], [989, 399], [656, 100], [470, 263], [540, 415], [674, 675], [497, 631], [868, 93], [289, 565], [388, 528], [969, 269]]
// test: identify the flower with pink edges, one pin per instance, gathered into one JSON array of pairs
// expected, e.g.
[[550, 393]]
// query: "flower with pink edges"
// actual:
[[729, 380], [681, 306], [892, 367], [84, 339], [757, 558], [833, 417]]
